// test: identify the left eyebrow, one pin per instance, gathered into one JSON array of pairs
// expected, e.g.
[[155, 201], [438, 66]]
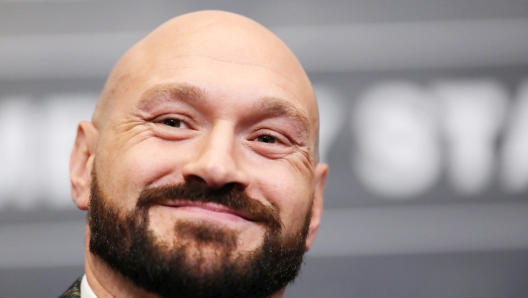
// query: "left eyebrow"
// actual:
[[280, 108], [161, 92]]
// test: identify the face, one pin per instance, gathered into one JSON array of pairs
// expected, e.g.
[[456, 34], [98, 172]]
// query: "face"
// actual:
[[188, 116], [219, 130]]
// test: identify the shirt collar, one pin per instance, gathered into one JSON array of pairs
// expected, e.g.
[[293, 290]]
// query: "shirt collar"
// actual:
[[86, 290]]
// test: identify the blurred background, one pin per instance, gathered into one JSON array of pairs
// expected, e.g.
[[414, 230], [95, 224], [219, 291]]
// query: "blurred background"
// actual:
[[424, 111]]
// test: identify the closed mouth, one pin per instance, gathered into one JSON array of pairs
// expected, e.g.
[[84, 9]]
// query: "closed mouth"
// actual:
[[208, 207]]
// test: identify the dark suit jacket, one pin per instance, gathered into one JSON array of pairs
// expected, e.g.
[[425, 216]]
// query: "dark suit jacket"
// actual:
[[74, 291]]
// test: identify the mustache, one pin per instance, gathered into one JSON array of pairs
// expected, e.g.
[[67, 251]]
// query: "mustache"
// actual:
[[229, 196]]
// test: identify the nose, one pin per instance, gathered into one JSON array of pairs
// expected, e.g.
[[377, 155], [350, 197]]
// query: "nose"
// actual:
[[215, 162]]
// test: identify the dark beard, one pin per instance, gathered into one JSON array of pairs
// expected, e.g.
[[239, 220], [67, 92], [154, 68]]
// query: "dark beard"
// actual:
[[184, 269]]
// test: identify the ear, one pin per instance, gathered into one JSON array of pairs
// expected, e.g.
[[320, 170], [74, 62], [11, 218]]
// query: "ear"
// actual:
[[81, 163], [321, 171]]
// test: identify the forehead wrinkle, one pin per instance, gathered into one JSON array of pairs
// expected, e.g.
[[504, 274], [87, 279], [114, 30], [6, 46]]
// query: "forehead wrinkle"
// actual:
[[162, 92], [246, 63], [278, 107]]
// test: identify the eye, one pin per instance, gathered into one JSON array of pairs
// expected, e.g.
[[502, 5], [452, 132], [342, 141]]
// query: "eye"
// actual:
[[267, 139], [173, 122]]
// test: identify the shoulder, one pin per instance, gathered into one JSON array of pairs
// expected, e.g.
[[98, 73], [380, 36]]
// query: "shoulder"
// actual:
[[74, 291]]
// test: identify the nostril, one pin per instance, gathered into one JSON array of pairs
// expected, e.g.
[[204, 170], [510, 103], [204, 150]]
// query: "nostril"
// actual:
[[233, 185], [215, 171], [195, 178]]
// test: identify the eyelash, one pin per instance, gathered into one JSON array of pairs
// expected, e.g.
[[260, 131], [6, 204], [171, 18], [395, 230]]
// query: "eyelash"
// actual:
[[166, 122], [165, 119], [279, 140]]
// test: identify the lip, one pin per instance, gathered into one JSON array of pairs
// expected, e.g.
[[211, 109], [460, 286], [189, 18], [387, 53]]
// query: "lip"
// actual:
[[210, 210]]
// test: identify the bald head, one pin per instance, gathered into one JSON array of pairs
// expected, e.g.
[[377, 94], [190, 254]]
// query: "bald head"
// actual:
[[214, 35], [215, 101]]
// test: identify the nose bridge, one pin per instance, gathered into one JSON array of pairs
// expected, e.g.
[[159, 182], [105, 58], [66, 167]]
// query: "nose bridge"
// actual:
[[215, 162], [218, 147]]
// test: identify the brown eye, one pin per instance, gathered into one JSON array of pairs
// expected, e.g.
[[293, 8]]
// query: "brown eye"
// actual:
[[267, 139], [172, 122]]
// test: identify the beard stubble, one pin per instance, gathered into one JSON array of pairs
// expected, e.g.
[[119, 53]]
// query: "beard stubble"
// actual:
[[202, 260]]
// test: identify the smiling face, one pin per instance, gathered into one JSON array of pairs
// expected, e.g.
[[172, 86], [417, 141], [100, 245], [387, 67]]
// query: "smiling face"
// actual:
[[211, 99]]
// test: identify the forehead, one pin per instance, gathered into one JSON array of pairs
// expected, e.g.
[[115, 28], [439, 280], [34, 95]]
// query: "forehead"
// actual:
[[229, 47], [228, 62], [216, 79]]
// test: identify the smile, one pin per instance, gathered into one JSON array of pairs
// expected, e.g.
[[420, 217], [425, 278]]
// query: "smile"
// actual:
[[208, 211]]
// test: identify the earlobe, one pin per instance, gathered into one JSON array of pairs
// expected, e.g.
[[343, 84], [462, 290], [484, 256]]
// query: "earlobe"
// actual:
[[81, 162], [321, 171]]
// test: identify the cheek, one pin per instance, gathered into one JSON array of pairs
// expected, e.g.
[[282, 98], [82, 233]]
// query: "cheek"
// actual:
[[155, 163], [289, 190], [152, 162], [295, 213]]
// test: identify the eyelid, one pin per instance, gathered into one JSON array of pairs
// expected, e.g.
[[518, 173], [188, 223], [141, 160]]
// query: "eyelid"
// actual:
[[281, 139], [184, 119]]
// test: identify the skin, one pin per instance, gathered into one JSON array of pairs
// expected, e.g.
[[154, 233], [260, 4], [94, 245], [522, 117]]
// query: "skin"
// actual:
[[230, 85]]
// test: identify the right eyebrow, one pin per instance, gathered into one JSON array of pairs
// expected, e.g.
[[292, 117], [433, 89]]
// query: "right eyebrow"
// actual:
[[168, 92], [271, 106]]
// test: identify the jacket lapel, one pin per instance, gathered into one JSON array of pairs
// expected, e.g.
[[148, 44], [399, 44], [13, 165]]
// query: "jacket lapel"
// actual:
[[74, 291]]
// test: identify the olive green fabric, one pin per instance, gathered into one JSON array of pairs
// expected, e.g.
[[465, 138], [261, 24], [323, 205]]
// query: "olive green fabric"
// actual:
[[74, 291]]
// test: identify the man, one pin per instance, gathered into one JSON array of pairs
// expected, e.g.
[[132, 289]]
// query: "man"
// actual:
[[199, 169]]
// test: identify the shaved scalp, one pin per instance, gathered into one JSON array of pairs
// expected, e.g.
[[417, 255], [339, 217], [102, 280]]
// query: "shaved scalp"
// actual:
[[247, 120], [217, 35]]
